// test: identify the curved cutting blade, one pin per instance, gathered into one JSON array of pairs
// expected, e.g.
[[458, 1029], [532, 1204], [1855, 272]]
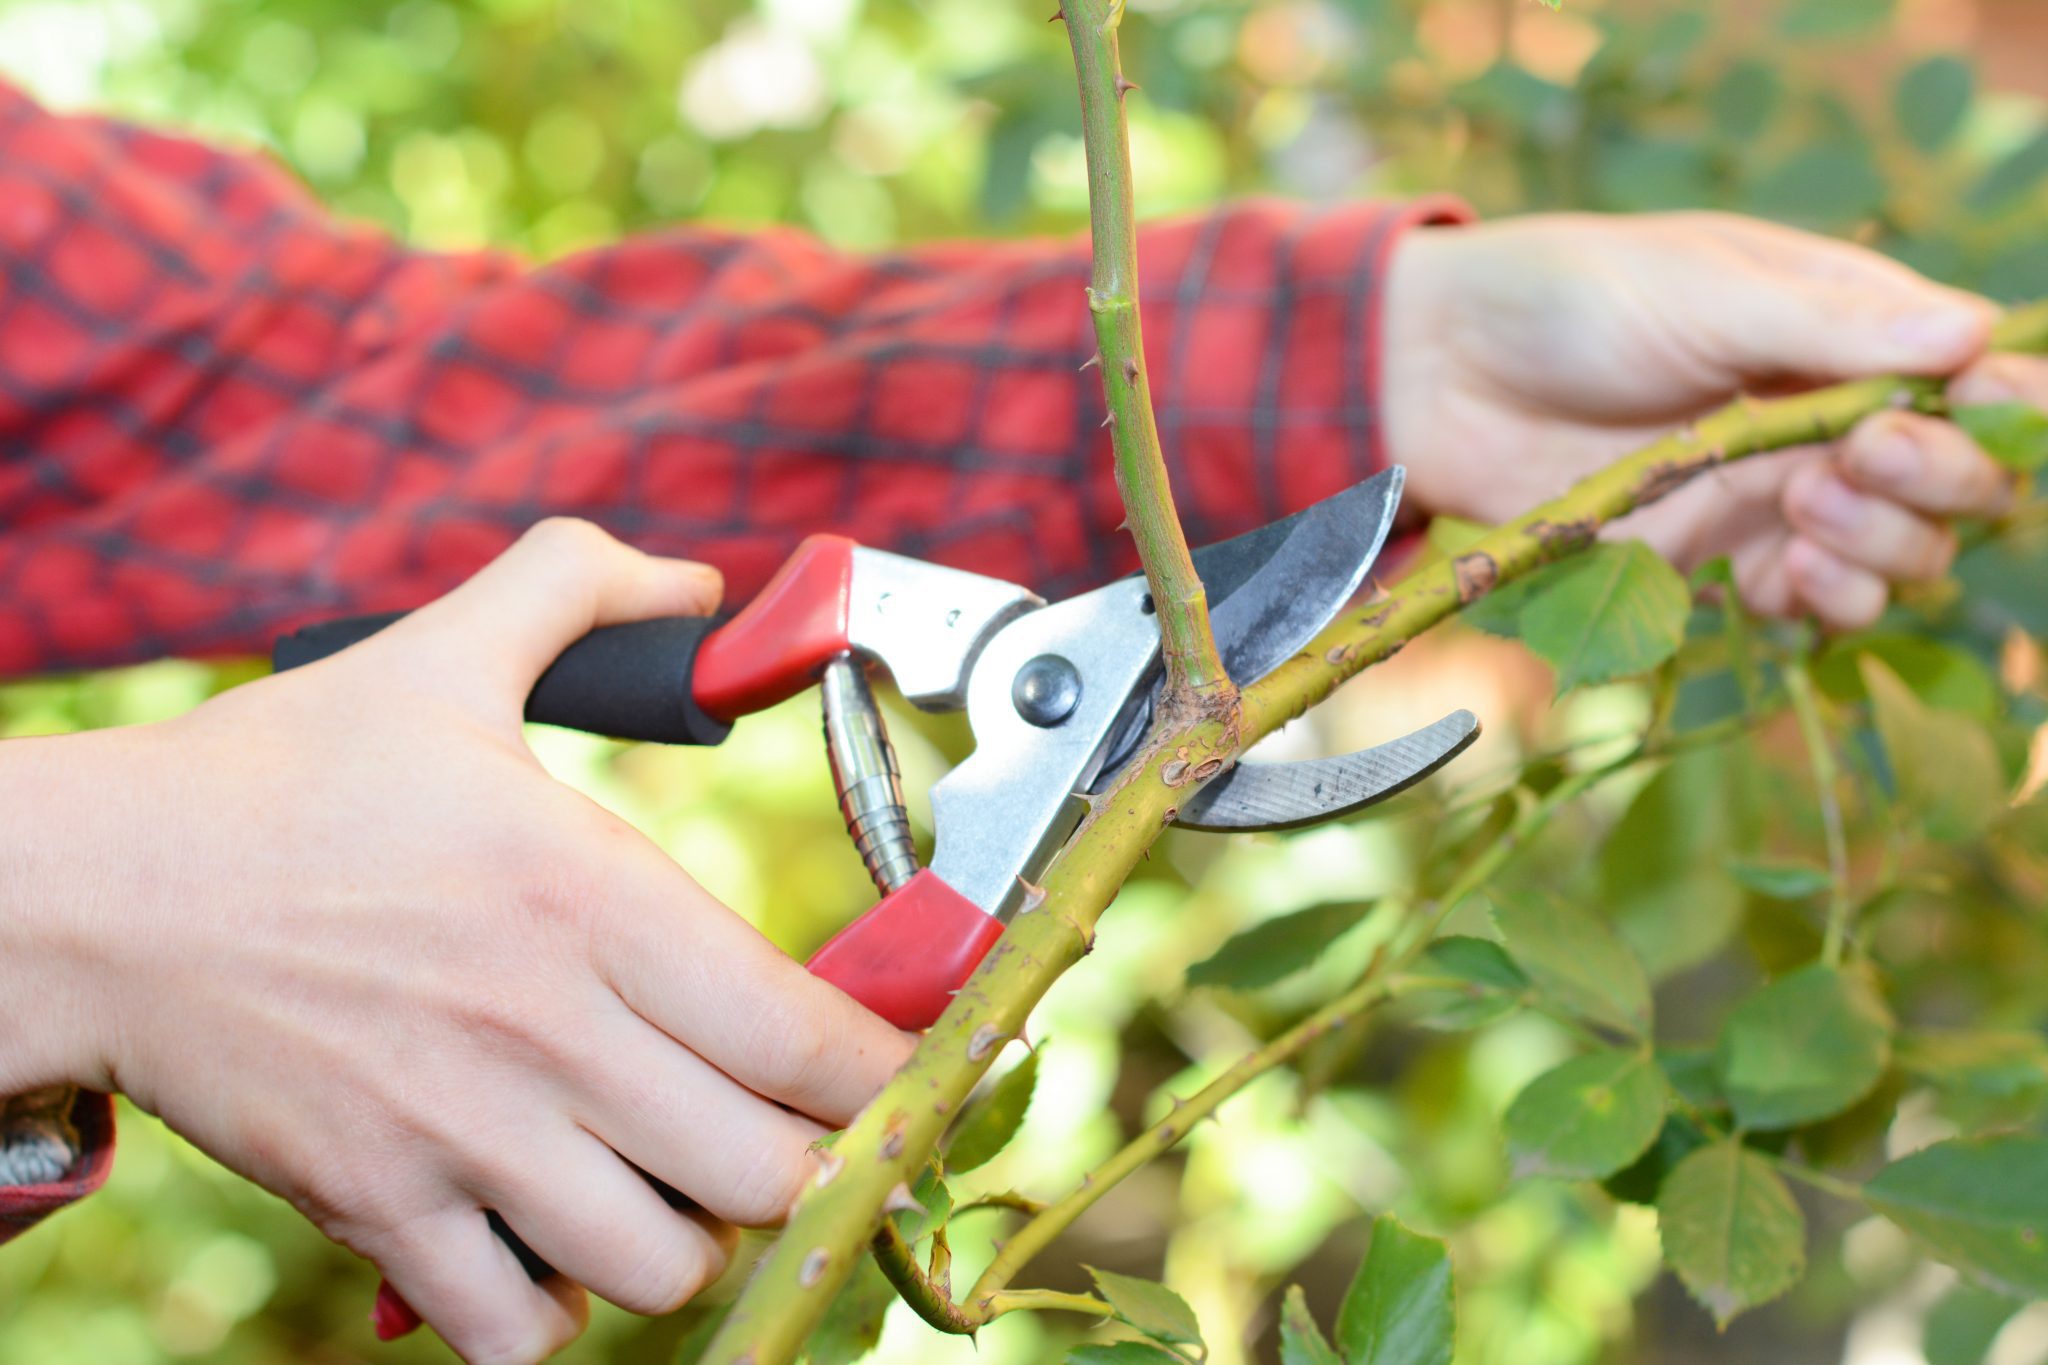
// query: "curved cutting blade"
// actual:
[[1255, 796], [1272, 590]]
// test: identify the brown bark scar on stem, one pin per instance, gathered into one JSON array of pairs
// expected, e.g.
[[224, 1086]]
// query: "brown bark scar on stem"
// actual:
[[1563, 537], [1476, 574]]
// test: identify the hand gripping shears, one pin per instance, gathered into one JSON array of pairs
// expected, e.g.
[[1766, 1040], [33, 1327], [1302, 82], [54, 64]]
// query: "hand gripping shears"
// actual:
[[1058, 696]]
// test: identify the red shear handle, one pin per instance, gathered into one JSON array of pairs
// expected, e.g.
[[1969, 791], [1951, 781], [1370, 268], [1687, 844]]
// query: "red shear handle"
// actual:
[[905, 958]]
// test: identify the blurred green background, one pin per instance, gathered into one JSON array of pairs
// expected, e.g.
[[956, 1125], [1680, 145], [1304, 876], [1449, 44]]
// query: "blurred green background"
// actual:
[[1917, 126]]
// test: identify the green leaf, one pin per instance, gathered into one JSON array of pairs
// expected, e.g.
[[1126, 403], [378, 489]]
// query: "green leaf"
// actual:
[[1980, 1205], [1149, 1306], [1824, 186], [1737, 630], [1731, 1229], [1943, 765], [1576, 960], [1996, 1065], [1400, 1308], [1480, 983], [1277, 948], [1301, 1341], [2012, 178], [1834, 18], [1588, 1118], [1664, 870], [853, 1324], [1611, 611], [1123, 1353], [1943, 676], [1806, 1046], [1786, 880], [1932, 99], [935, 1206], [1962, 1327], [2014, 434], [1746, 99], [1679, 1138], [991, 1121]]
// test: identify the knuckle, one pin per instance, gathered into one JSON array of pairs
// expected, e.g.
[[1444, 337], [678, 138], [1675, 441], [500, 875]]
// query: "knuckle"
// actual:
[[767, 1185], [787, 1055], [503, 1342], [664, 1277]]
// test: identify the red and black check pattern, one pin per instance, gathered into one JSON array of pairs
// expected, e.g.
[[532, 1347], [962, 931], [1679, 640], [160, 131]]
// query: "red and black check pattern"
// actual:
[[222, 413]]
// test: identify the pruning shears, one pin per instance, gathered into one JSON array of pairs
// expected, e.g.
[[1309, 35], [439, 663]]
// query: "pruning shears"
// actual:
[[1059, 696]]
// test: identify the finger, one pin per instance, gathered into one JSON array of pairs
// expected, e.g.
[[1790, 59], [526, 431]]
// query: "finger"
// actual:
[[469, 1287], [1865, 530], [1926, 464], [704, 976], [745, 1160], [1768, 324], [2003, 379], [1842, 596], [558, 582], [597, 1220]]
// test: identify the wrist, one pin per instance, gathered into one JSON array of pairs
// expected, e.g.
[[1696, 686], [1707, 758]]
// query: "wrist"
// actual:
[[62, 896]]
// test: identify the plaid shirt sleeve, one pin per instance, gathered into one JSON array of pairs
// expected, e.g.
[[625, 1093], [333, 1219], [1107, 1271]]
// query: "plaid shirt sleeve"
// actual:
[[222, 413]]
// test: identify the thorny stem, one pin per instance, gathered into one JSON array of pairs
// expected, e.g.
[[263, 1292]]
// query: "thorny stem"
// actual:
[[931, 1299], [1194, 670], [895, 1135], [1820, 753]]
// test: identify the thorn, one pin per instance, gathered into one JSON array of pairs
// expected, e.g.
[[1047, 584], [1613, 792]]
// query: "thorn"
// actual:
[[1125, 87], [1034, 895], [1130, 370], [1092, 361], [829, 1167], [1058, 16], [1109, 419], [1124, 525], [892, 1146], [901, 1200], [813, 1268], [985, 1037]]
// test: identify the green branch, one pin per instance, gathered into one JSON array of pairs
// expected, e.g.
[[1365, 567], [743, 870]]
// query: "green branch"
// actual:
[[1820, 753], [1194, 670], [894, 1137]]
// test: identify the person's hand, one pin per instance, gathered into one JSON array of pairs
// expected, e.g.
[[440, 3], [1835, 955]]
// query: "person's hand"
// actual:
[[1523, 354], [341, 930]]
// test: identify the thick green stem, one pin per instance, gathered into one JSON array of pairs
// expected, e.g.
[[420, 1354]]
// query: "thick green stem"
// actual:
[[1194, 670], [896, 1134]]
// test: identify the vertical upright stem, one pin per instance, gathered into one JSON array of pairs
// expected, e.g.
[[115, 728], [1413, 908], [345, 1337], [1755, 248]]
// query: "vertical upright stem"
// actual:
[[1193, 667], [1813, 729]]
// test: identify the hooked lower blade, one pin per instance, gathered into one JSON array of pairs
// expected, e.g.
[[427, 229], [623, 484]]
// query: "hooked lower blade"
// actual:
[[1267, 796]]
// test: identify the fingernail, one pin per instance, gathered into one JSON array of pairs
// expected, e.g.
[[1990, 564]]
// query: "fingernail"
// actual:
[[1892, 459], [1939, 336], [1833, 505]]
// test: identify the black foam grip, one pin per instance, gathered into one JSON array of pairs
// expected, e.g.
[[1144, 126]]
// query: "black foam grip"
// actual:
[[629, 681]]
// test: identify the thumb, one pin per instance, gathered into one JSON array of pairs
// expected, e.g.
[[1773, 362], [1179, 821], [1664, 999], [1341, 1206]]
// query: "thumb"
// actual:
[[1785, 327], [558, 582]]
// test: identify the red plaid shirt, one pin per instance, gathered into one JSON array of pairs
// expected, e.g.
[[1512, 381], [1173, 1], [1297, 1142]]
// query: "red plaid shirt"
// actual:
[[223, 413]]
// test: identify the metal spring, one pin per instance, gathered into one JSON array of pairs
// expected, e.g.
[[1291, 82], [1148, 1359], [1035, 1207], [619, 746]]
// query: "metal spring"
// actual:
[[864, 774]]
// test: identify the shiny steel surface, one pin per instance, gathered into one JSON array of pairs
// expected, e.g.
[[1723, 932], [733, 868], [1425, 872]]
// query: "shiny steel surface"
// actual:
[[1288, 795], [865, 776], [926, 623]]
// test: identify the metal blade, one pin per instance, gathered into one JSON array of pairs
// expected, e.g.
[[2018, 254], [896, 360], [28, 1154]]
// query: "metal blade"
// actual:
[[1255, 796], [1271, 590]]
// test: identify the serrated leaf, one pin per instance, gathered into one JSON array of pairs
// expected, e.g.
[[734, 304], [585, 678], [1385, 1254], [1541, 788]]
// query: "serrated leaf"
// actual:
[[1679, 1138], [1301, 1341], [1944, 765], [1611, 611], [1804, 1047], [853, 1324], [1663, 871], [1123, 1353], [1400, 1309], [2013, 434], [1149, 1306], [991, 1121], [1479, 984], [1575, 959], [1980, 1205], [1731, 1229], [1588, 1118], [1782, 879], [1277, 948], [1931, 100]]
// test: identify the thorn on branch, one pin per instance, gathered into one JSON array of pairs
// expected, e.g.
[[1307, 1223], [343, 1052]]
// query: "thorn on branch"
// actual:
[[1109, 418], [1092, 361], [1130, 370], [813, 1269], [1125, 87], [892, 1145], [901, 1200], [1034, 895], [1059, 16], [985, 1037], [830, 1164]]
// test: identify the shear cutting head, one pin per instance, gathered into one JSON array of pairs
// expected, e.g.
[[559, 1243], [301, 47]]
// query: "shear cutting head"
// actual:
[[1060, 696]]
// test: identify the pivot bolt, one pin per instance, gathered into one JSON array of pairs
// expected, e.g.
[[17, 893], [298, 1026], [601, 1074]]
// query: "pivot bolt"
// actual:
[[1047, 690]]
